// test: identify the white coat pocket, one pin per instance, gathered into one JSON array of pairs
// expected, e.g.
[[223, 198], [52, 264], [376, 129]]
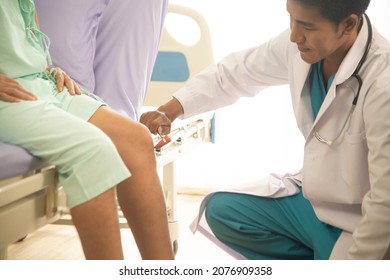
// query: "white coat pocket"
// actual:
[[354, 166]]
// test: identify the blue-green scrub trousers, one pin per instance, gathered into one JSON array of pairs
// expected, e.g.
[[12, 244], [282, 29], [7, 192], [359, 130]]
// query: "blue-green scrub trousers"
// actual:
[[270, 228]]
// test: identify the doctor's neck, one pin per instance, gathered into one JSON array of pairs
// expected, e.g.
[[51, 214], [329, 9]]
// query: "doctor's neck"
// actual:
[[348, 30]]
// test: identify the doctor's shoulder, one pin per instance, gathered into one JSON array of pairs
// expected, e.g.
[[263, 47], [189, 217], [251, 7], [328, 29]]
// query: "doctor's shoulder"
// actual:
[[376, 71]]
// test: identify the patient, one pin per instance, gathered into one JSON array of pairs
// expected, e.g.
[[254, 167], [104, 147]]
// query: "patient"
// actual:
[[98, 152]]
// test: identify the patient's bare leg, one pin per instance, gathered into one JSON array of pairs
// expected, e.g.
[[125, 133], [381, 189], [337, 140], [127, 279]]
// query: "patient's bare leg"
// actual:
[[97, 224], [140, 197]]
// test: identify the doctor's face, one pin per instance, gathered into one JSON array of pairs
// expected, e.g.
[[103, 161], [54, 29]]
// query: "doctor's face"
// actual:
[[317, 38]]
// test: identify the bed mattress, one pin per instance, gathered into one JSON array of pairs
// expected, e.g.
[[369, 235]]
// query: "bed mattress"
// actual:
[[15, 161]]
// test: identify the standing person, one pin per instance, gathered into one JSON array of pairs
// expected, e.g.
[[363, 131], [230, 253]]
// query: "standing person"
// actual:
[[109, 47], [98, 153], [338, 68]]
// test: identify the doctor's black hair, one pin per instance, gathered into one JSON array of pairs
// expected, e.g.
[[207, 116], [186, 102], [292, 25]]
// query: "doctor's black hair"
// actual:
[[337, 10]]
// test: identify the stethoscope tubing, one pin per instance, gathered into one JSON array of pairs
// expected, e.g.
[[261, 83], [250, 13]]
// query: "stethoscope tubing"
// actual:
[[356, 75]]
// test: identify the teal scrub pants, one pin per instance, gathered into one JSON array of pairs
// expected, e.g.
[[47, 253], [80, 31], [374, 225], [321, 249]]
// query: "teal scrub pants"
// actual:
[[270, 228]]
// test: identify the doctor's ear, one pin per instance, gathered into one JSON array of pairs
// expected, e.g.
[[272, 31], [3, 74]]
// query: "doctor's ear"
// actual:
[[350, 23]]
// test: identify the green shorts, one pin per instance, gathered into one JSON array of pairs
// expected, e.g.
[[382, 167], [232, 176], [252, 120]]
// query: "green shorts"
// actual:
[[55, 128]]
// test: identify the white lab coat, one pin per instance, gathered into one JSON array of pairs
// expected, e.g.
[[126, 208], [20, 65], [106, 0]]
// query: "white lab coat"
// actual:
[[348, 183]]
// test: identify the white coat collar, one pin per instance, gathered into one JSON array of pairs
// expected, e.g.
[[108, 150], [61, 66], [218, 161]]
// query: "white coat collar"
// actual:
[[301, 92], [353, 57]]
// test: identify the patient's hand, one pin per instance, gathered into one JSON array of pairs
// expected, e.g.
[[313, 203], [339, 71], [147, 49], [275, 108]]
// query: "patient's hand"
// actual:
[[12, 91], [157, 122], [62, 79]]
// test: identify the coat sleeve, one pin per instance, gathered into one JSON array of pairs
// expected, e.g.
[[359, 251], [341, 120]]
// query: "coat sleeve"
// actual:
[[371, 238], [239, 74]]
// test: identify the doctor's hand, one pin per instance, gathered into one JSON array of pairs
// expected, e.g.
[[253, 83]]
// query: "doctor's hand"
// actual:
[[157, 122], [160, 121], [63, 80], [12, 91]]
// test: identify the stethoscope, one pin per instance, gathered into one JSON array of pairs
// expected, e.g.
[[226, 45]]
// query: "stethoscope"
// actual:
[[355, 75]]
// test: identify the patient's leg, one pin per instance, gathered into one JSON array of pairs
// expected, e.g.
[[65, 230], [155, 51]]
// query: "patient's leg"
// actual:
[[97, 224], [140, 197]]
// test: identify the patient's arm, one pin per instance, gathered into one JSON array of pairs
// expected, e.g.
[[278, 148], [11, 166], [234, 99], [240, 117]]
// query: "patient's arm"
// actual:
[[12, 91]]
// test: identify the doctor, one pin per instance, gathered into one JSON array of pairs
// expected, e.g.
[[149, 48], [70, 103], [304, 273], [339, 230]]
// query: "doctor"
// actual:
[[338, 68]]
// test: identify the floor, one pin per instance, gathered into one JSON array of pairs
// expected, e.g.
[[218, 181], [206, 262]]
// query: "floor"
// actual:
[[60, 242]]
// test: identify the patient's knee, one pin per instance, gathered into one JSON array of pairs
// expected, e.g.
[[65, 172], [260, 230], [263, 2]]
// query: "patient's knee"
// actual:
[[97, 147], [137, 136], [144, 134]]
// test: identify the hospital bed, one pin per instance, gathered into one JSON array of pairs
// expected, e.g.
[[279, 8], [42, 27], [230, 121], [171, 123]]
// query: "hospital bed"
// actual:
[[30, 196]]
